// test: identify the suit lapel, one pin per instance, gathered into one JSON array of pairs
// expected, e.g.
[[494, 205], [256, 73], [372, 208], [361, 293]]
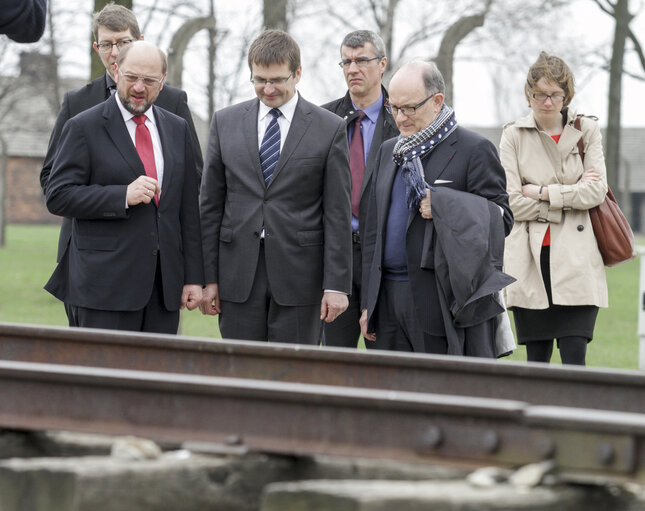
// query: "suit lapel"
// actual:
[[439, 158], [377, 140], [250, 130], [117, 131], [299, 125], [167, 142], [436, 163], [384, 191]]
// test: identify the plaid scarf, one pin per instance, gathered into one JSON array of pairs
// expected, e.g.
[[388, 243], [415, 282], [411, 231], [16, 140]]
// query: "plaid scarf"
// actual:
[[408, 152]]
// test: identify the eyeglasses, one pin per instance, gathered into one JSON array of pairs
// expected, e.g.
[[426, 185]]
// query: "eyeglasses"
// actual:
[[107, 47], [359, 61], [408, 111], [147, 80], [541, 97], [261, 82]]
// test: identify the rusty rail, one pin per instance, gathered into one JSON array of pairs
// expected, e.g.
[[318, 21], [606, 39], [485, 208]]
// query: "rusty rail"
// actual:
[[320, 419], [533, 383]]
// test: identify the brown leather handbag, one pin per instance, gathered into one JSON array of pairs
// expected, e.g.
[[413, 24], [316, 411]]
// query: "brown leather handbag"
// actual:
[[613, 233]]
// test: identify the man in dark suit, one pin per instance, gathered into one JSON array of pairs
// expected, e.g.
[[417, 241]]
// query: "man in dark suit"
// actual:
[[114, 27], [275, 207], [363, 61], [402, 290], [23, 20], [125, 173]]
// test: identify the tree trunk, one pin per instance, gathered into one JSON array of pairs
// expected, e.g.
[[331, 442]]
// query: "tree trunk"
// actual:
[[97, 67], [451, 38], [3, 174], [212, 54], [612, 144], [55, 99], [275, 14]]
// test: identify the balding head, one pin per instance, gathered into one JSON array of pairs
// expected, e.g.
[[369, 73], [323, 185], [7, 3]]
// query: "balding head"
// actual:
[[144, 50], [414, 83], [139, 71]]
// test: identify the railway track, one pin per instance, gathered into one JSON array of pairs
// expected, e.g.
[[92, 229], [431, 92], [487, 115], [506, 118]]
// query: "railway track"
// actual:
[[537, 384], [413, 408]]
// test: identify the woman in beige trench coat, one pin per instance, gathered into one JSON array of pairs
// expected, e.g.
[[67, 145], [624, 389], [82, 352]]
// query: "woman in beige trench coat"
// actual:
[[552, 250]]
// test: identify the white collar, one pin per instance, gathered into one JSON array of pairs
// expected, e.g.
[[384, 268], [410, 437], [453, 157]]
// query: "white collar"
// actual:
[[128, 115], [287, 110]]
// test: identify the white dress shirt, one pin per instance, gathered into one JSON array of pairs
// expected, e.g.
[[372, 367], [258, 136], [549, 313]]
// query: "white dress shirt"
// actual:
[[154, 134], [284, 121]]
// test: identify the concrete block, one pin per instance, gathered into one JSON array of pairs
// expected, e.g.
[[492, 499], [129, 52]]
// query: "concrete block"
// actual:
[[438, 496], [175, 481]]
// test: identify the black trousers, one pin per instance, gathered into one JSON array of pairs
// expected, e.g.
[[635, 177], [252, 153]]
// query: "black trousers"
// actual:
[[345, 330], [397, 325], [154, 317], [261, 318]]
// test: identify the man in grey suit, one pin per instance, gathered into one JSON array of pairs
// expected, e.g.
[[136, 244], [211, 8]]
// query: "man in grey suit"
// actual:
[[369, 124], [275, 207]]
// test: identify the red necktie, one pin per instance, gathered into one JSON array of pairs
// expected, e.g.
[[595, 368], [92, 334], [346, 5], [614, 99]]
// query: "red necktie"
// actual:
[[357, 162], [143, 141]]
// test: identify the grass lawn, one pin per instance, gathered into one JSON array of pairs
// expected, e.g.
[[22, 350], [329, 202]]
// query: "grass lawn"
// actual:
[[29, 258]]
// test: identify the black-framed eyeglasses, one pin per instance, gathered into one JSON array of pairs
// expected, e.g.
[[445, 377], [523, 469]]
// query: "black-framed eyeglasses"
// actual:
[[555, 98], [408, 111], [107, 47], [359, 61], [148, 81], [261, 82]]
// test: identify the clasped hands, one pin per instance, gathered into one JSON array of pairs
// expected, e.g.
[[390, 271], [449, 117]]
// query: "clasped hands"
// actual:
[[531, 191]]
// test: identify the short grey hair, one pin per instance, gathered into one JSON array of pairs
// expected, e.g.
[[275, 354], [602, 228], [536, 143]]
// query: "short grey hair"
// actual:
[[433, 79], [358, 38]]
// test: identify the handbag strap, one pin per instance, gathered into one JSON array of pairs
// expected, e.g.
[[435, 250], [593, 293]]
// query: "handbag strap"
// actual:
[[581, 146]]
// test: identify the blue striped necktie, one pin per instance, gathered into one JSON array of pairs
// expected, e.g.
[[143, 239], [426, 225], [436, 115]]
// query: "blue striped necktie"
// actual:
[[270, 147]]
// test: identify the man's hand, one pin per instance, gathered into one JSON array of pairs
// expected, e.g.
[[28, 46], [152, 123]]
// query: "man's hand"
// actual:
[[425, 207], [363, 321], [191, 296], [210, 300], [142, 189], [333, 305]]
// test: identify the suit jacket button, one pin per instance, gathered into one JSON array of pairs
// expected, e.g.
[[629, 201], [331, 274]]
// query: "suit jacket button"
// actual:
[[581, 228], [154, 252], [256, 234]]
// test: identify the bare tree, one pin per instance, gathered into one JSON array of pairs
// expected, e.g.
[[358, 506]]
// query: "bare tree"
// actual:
[[619, 10], [275, 14], [451, 38]]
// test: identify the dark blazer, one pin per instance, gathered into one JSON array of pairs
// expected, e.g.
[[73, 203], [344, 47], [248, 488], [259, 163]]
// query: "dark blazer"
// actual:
[[464, 161], [23, 20], [76, 101], [385, 129], [112, 257], [305, 209]]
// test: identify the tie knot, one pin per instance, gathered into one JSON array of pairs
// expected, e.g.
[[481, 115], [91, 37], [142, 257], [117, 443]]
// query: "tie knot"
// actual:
[[140, 119], [361, 116], [275, 113]]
